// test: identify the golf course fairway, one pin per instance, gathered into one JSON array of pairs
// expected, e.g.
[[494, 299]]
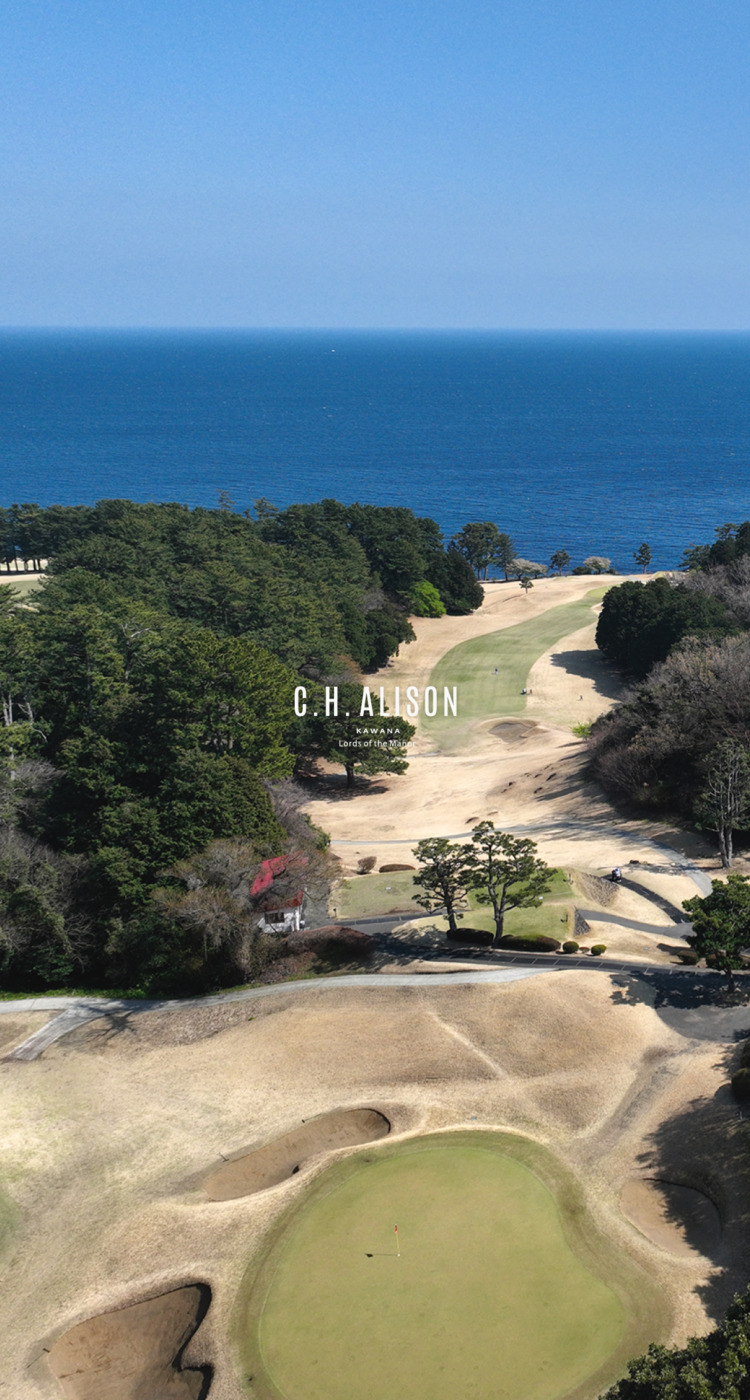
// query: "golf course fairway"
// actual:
[[491, 671], [489, 1299]]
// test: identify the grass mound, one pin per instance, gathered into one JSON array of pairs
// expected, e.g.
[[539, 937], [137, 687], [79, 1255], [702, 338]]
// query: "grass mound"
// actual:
[[488, 1298]]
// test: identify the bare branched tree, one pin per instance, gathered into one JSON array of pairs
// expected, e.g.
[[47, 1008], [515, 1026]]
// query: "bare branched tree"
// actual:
[[724, 802]]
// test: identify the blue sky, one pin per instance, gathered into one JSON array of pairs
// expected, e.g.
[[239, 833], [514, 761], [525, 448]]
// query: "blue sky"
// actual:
[[520, 163]]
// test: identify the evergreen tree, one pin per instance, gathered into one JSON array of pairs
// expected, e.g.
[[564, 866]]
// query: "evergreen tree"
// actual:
[[354, 737], [721, 924], [445, 875], [508, 873]]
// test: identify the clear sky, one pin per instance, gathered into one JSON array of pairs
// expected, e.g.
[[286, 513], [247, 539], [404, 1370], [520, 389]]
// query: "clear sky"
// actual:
[[405, 163]]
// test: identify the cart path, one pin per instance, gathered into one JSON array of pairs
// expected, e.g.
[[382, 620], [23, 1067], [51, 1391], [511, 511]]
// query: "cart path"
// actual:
[[508, 967], [678, 865]]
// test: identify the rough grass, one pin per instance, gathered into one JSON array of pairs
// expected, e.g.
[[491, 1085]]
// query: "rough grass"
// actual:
[[471, 667], [503, 1290], [8, 1220]]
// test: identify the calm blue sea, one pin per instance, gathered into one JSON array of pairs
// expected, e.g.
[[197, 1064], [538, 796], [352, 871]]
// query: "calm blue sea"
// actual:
[[588, 442]]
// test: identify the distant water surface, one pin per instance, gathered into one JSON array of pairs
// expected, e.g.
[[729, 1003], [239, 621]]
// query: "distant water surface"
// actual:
[[589, 443]]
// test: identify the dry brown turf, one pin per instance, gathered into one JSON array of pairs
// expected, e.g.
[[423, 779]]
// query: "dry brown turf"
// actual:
[[109, 1138]]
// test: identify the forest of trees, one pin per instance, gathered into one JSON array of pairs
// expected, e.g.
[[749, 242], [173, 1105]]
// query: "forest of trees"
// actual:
[[148, 734], [680, 741]]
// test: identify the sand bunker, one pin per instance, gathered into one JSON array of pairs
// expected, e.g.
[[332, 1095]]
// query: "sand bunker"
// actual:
[[267, 1166], [514, 731], [680, 1219], [135, 1351]]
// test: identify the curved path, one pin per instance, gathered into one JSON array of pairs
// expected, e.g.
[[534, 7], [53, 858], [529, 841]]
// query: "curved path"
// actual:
[[509, 967], [568, 827], [78, 1010]]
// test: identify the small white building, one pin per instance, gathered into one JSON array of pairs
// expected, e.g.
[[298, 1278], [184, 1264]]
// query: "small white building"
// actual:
[[281, 907]]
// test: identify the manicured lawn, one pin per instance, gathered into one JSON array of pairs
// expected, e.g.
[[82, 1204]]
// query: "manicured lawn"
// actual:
[[375, 894], [498, 1293], [548, 920], [364, 895], [471, 667], [560, 887]]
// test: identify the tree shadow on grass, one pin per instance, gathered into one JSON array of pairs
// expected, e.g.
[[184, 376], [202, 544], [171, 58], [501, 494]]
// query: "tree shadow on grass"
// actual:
[[670, 992], [332, 787], [705, 1147], [590, 666]]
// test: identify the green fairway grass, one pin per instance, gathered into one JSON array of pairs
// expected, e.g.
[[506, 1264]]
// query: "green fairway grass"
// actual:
[[503, 1290], [471, 667], [367, 895]]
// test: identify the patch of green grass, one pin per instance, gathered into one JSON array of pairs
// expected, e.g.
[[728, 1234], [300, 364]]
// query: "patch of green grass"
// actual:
[[471, 667], [365, 895], [9, 1216], [368, 895], [560, 887], [547, 919], [504, 1289], [582, 730], [22, 584]]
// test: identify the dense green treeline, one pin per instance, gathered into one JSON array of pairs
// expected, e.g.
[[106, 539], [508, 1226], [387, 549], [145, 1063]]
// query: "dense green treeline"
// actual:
[[311, 583], [681, 740], [640, 624], [149, 729]]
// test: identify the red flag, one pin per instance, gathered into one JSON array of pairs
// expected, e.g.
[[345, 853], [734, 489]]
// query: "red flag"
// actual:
[[396, 1228]]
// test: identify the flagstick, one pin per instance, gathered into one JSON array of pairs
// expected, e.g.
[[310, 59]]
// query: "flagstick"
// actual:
[[398, 1250]]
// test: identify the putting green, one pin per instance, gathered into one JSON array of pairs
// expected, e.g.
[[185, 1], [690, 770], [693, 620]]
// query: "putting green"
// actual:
[[488, 1299], [471, 667]]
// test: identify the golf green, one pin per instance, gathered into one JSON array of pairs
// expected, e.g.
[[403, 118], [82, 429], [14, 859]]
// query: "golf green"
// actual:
[[484, 1298]]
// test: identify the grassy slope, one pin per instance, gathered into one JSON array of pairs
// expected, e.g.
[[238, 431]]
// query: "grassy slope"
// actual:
[[499, 1293], [471, 667]]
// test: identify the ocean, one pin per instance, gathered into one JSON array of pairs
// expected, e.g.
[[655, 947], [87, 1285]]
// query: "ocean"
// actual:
[[593, 443]]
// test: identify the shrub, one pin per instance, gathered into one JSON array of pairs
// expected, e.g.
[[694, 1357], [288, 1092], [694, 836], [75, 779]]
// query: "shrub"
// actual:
[[741, 1084], [598, 949], [367, 864], [687, 956], [425, 601], [541, 944], [391, 869], [570, 946], [478, 937]]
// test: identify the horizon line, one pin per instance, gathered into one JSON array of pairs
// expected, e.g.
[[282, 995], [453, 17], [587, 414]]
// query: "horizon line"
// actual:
[[375, 330]]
